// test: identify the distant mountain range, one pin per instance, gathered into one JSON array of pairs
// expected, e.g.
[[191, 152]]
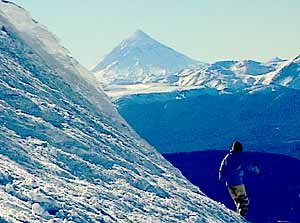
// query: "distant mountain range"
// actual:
[[141, 64], [232, 76]]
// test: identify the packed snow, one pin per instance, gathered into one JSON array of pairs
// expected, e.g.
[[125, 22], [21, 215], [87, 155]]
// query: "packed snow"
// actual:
[[65, 153]]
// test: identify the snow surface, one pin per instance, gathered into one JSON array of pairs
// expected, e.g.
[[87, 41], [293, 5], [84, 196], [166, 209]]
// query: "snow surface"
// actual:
[[47, 46], [65, 153]]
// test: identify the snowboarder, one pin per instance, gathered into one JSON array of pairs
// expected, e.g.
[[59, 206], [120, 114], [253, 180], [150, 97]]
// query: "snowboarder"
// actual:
[[232, 172]]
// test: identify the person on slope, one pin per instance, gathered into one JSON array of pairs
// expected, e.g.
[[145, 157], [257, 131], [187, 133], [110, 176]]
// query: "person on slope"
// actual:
[[232, 171]]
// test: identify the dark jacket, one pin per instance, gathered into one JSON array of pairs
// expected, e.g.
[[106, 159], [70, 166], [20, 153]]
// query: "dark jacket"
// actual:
[[233, 167]]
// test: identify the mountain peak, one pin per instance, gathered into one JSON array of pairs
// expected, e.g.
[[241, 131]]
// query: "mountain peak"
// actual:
[[140, 33], [141, 37], [141, 59]]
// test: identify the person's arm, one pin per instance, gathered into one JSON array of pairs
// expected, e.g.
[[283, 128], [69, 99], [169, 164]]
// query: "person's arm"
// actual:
[[222, 170]]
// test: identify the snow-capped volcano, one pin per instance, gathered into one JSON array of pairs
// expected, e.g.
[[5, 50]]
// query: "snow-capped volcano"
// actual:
[[141, 59], [65, 153]]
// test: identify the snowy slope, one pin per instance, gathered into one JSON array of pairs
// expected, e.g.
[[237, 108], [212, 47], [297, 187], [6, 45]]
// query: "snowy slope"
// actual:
[[48, 47], [65, 153], [141, 59]]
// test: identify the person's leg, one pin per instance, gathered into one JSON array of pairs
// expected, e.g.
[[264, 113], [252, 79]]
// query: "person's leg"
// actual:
[[233, 195], [240, 198]]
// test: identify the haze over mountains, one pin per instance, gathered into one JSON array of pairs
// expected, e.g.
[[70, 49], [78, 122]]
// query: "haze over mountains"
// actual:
[[66, 154]]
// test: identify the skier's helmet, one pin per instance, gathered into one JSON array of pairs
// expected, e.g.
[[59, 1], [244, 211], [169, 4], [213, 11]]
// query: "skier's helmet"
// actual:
[[237, 147]]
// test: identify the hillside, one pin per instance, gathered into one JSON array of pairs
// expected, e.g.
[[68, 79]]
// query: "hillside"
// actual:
[[65, 153]]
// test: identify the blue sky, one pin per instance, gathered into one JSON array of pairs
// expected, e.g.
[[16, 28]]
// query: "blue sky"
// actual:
[[207, 30]]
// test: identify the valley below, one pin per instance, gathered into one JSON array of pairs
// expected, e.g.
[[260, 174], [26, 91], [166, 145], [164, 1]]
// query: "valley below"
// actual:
[[274, 195]]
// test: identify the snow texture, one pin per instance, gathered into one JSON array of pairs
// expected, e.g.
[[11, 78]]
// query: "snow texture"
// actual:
[[65, 153]]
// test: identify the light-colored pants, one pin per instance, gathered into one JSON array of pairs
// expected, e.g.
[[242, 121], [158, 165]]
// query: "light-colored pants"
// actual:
[[240, 198]]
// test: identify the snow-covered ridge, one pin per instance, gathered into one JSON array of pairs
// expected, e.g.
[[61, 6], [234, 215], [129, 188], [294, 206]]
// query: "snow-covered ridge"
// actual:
[[46, 44], [244, 74], [226, 75], [67, 156], [23, 22]]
